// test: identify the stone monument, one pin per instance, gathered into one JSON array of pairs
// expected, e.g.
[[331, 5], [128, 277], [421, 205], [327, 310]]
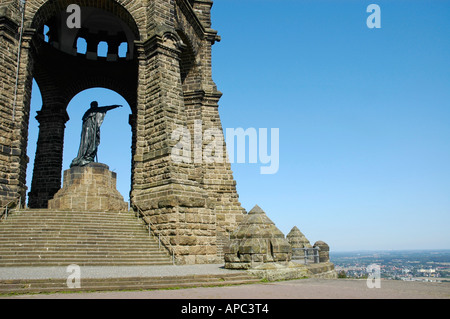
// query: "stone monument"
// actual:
[[90, 133], [165, 76], [89, 186]]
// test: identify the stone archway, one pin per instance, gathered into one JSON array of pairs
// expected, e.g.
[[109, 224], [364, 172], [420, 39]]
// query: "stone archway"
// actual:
[[61, 73]]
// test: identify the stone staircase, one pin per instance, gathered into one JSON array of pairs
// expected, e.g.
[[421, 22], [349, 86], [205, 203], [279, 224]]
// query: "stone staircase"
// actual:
[[42, 239], [32, 238]]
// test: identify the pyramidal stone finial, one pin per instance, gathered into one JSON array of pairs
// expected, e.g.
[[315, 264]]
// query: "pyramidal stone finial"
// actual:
[[256, 210], [296, 233], [256, 240], [298, 241]]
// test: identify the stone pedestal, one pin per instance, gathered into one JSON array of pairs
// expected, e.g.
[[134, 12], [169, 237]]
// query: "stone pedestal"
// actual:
[[89, 188]]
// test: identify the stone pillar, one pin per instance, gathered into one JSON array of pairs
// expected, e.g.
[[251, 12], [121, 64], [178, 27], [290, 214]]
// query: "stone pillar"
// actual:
[[113, 49], [92, 46], [201, 98], [8, 47], [49, 156], [324, 251], [203, 10], [166, 190], [215, 173], [14, 103]]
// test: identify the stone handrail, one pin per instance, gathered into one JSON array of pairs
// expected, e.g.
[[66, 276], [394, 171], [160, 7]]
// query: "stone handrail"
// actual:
[[10, 205]]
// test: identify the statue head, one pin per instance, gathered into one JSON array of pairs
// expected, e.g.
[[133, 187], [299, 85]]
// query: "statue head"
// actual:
[[94, 104]]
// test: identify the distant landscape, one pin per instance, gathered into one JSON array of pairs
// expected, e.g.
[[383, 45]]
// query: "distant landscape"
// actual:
[[410, 265]]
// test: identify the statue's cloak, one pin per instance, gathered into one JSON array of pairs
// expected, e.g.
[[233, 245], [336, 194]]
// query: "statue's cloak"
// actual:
[[90, 136]]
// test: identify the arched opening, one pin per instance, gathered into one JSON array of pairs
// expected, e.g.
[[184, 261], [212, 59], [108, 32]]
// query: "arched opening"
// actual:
[[114, 149], [110, 24], [81, 46], [123, 50], [45, 33], [102, 49], [72, 68]]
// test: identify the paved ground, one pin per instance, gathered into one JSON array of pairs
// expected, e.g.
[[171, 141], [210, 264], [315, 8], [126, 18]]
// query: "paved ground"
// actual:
[[111, 272], [295, 289]]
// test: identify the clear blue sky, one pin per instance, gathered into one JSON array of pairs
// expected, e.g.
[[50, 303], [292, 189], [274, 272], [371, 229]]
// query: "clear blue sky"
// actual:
[[363, 114]]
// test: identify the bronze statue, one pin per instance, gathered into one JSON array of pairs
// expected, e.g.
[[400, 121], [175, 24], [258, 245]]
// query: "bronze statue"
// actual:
[[90, 133]]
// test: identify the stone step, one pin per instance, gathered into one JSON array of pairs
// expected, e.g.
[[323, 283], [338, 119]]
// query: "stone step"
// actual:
[[43, 228], [11, 227], [67, 245], [102, 262], [83, 252], [68, 215], [132, 283], [81, 240], [83, 257], [24, 233], [44, 211], [86, 253], [72, 219], [70, 224], [46, 253], [86, 218], [75, 232], [77, 244], [89, 242], [59, 217], [74, 243], [48, 211]]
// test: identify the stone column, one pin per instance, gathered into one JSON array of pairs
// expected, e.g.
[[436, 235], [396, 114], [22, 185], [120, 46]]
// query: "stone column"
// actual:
[[324, 251], [166, 190], [202, 106], [203, 10], [49, 155], [92, 46], [14, 103]]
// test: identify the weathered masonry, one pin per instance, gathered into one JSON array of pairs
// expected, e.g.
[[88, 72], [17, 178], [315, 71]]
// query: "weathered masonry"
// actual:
[[165, 78]]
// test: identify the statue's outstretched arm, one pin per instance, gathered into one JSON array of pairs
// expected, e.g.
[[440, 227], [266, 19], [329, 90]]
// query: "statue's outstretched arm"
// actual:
[[111, 107]]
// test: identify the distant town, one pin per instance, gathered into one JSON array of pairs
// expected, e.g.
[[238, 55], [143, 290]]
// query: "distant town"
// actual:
[[409, 265]]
